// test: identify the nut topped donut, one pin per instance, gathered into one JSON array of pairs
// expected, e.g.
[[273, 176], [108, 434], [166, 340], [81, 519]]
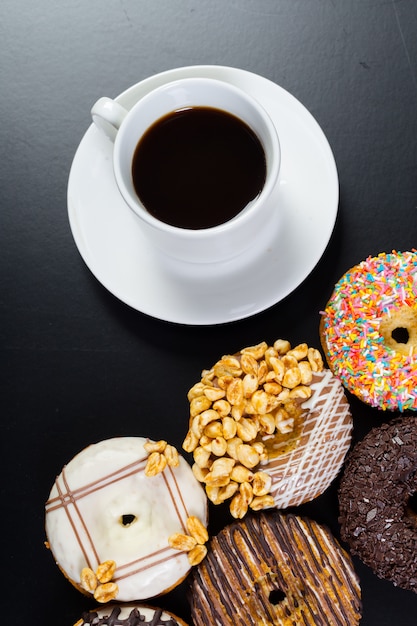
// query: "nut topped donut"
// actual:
[[269, 427], [272, 568], [126, 519], [377, 517], [369, 331]]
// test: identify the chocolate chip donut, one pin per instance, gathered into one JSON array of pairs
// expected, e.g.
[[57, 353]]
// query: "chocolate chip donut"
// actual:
[[272, 568], [368, 331], [129, 615], [121, 519], [375, 497]]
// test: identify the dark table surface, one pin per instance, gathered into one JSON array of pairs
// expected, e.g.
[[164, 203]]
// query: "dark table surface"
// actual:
[[78, 365]]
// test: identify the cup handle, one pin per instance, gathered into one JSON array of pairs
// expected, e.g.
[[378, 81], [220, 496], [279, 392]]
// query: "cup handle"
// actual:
[[108, 115]]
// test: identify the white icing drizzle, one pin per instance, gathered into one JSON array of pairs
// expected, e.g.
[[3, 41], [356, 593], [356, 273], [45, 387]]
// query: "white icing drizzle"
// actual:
[[307, 470]]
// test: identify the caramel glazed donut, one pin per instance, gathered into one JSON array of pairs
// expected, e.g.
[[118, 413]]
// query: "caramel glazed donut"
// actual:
[[368, 331], [375, 501], [272, 568], [269, 427], [126, 519]]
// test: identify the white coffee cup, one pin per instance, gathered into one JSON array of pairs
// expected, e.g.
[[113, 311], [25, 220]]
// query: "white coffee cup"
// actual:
[[207, 245]]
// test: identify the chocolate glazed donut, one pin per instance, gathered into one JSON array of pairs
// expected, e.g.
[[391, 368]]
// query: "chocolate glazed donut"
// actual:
[[376, 496]]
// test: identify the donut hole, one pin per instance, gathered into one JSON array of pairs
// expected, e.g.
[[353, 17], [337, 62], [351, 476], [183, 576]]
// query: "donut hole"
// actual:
[[399, 330], [400, 335], [412, 508], [276, 596], [127, 519]]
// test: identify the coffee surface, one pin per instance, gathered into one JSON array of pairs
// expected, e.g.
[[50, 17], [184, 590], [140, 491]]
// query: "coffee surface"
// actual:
[[198, 167]]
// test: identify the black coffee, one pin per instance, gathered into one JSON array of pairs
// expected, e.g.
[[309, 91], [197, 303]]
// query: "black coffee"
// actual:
[[198, 167]]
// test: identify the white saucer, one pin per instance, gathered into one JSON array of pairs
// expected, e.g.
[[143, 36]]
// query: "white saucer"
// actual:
[[110, 241]]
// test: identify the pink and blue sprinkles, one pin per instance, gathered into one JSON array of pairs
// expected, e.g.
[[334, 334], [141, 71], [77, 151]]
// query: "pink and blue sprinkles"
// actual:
[[356, 351]]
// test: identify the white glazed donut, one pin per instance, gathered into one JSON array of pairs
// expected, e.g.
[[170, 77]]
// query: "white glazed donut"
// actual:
[[129, 614], [104, 509]]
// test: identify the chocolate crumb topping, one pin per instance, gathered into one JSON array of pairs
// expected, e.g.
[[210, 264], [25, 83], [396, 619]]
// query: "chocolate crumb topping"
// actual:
[[135, 618], [377, 501]]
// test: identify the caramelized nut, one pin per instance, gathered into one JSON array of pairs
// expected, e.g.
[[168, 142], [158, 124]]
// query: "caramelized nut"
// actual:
[[106, 592], [88, 579], [199, 472], [172, 456], [246, 491], [202, 457], [306, 372], [299, 352], [302, 391], [232, 447], [222, 407], [262, 502], [263, 372], [234, 393], [208, 416], [184, 543], [222, 467], [214, 429], [197, 529], [105, 571], [214, 393], [247, 455], [155, 446], [227, 491], [256, 351], [292, 378], [195, 391], [216, 481], [213, 494], [315, 359], [261, 484], [278, 367], [249, 364], [197, 554], [190, 442], [241, 474], [247, 429], [219, 446], [267, 423], [260, 401], [238, 506], [282, 346], [156, 463], [198, 405], [229, 427], [250, 385]]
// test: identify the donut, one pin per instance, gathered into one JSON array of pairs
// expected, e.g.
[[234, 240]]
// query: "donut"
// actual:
[[268, 427], [275, 568], [121, 518], [129, 615], [368, 331], [376, 492]]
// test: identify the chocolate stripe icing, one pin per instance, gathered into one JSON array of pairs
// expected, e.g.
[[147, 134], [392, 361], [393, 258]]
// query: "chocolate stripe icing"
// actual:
[[252, 561]]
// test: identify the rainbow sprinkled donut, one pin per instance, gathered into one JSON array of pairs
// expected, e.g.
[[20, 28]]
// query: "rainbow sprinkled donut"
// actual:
[[368, 330]]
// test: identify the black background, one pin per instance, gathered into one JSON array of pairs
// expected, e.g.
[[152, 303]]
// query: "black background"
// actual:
[[79, 366]]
